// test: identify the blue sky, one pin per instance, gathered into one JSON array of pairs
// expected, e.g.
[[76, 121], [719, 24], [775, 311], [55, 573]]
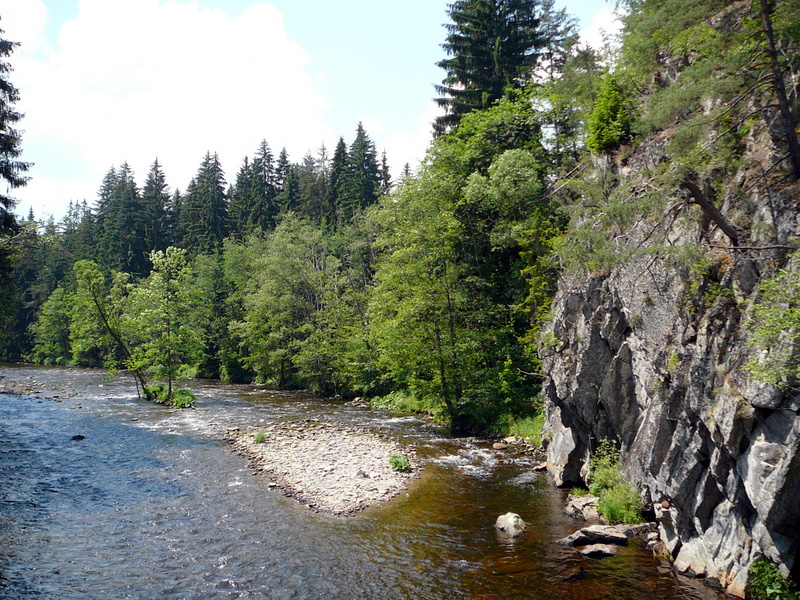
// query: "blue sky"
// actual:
[[107, 81]]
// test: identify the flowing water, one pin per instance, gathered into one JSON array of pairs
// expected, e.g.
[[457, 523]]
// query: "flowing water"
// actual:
[[151, 504]]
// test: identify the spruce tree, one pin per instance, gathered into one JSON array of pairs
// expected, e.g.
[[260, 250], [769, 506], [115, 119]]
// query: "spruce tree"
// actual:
[[264, 213], [155, 200], [336, 178], [241, 200], [11, 168], [491, 47], [203, 216], [360, 186]]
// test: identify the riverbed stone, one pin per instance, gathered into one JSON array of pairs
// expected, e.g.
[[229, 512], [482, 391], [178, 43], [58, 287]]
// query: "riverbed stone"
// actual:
[[511, 524], [599, 550], [595, 534], [331, 467]]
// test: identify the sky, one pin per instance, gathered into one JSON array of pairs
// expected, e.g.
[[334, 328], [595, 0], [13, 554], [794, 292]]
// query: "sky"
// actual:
[[104, 82]]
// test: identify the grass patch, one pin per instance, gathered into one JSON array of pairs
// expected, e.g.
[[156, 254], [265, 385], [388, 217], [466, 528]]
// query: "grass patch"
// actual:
[[400, 463], [260, 437], [619, 501], [526, 428], [403, 401], [767, 583]]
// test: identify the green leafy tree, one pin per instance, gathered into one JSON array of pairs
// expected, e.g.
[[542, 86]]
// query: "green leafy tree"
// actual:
[[159, 321], [97, 329], [51, 342]]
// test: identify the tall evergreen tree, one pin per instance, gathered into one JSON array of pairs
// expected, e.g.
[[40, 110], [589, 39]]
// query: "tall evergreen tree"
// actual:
[[240, 207], [11, 168], [491, 47], [360, 186], [155, 200], [122, 223], [265, 184], [385, 176], [203, 216], [12, 171], [336, 178]]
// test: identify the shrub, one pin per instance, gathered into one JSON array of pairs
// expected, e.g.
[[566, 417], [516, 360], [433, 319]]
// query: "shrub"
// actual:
[[767, 583], [182, 399], [400, 463], [179, 399], [260, 437], [619, 501], [526, 428]]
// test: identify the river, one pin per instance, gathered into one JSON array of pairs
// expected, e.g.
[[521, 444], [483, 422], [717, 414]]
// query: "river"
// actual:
[[103, 496]]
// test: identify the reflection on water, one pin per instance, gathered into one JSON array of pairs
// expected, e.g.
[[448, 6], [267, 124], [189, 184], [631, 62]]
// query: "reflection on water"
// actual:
[[150, 504]]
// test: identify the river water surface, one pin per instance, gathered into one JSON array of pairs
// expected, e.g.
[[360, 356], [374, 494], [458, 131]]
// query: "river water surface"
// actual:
[[151, 504]]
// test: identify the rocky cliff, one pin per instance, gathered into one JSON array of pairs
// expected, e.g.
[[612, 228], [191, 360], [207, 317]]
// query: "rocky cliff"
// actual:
[[651, 353]]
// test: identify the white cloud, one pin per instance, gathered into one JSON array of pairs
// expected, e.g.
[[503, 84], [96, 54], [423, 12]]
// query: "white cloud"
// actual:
[[409, 147], [605, 24], [132, 80]]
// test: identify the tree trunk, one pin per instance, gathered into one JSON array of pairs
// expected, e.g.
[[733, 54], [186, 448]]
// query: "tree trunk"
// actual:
[[712, 212], [789, 122]]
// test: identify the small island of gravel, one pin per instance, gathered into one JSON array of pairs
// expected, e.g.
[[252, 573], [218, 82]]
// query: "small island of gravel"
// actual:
[[328, 467]]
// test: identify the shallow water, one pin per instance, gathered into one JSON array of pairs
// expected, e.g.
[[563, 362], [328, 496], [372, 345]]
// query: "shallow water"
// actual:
[[150, 504]]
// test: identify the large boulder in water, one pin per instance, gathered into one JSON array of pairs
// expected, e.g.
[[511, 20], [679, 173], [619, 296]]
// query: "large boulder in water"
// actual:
[[510, 524]]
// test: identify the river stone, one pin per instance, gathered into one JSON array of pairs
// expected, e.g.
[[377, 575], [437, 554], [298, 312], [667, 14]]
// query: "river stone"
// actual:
[[582, 507], [599, 550], [595, 534], [510, 524]]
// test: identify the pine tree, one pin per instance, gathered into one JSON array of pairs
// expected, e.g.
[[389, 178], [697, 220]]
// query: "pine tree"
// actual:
[[338, 169], [203, 213], [264, 213], [155, 200], [11, 169], [360, 186], [241, 200], [385, 176], [492, 46], [122, 223]]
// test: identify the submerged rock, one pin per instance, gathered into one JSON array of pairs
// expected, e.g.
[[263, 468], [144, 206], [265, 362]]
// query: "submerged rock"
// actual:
[[599, 550], [511, 524]]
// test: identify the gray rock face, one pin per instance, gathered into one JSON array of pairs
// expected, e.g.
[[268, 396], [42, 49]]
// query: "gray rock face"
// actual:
[[651, 355]]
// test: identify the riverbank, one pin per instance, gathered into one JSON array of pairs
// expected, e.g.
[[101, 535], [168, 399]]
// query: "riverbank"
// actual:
[[327, 467]]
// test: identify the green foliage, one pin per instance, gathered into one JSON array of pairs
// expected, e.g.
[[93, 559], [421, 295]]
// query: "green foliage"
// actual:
[[462, 269], [400, 463], [610, 122], [177, 398], [491, 47], [765, 582], [160, 320], [528, 428], [260, 437], [619, 501], [774, 327], [51, 330]]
